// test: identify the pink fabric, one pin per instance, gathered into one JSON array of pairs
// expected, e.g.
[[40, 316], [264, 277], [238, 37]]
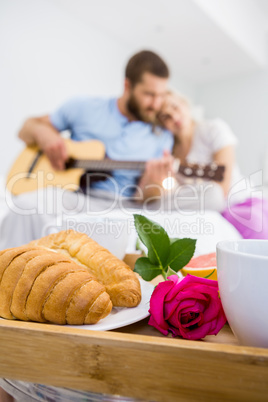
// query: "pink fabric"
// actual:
[[250, 218]]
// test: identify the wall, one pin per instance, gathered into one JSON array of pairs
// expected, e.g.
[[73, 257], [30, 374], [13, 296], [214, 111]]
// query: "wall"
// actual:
[[243, 21], [46, 57], [242, 101]]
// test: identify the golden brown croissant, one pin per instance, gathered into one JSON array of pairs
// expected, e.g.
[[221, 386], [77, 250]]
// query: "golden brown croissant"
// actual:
[[40, 285], [120, 281]]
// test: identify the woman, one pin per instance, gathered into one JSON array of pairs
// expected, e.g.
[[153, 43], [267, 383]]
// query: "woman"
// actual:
[[207, 141], [200, 142]]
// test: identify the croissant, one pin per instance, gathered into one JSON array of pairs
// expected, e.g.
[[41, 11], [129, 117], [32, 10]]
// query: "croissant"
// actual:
[[120, 281], [41, 285]]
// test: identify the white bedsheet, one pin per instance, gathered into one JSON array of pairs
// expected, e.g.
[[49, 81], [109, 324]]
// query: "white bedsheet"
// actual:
[[3, 207], [208, 227]]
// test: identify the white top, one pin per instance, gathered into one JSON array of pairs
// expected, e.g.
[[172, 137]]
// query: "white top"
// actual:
[[210, 136]]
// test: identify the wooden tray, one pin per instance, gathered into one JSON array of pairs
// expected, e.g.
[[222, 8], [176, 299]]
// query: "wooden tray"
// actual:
[[135, 361]]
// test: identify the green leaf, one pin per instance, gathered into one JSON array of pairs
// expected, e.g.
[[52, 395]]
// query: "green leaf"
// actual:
[[170, 272], [146, 269], [181, 251], [173, 239], [140, 248], [155, 238]]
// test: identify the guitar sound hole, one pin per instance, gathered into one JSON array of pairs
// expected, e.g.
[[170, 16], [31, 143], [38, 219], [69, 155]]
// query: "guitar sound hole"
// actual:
[[88, 178]]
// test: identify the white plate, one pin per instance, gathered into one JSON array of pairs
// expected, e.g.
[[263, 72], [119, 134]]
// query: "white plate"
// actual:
[[122, 316]]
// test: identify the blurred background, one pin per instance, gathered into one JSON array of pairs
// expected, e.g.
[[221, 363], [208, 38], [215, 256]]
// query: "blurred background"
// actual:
[[52, 50]]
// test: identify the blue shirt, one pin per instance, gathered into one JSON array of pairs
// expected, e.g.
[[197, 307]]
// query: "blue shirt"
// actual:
[[99, 118]]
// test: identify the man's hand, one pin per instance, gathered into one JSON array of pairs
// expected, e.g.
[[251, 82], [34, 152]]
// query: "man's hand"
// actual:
[[55, 150], [157, 170], [40, 131]]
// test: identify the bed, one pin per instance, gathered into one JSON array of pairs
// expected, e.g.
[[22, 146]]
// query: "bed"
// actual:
[[208, 227]]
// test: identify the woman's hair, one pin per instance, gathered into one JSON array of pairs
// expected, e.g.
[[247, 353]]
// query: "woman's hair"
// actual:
[[145, 62], [182, 98], [196, 113]]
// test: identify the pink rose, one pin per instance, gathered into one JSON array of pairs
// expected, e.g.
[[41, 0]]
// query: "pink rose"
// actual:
[[189, 307]]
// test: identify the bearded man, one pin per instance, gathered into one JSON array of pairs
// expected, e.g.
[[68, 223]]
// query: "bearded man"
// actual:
[[126, 126]]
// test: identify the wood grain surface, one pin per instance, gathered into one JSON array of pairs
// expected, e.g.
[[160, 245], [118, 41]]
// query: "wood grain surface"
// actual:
[[142, 364]]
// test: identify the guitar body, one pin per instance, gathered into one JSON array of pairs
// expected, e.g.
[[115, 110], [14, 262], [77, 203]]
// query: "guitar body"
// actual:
[[32, 171]]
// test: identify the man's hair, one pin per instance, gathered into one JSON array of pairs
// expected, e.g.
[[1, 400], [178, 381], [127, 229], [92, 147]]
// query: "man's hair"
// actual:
[[145, 62]]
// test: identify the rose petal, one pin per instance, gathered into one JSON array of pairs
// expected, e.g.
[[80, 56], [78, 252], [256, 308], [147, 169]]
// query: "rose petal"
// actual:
[[179, 283], [172, 312], [210, 328], [176, 319], [213, 326], [176, 289], [197, 307], [212, 309], [220, 322], [201, 281], [175, 331], [184, 332], [194, 321], [203, 289], [190, 294], [175, 279], [153, 323], [157, 303], [186, 303], [196, 310], [171, 306], [199, 332], [217, 324]]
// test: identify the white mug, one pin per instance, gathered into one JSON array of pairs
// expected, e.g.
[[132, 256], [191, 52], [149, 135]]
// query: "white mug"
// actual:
[[242, 270]]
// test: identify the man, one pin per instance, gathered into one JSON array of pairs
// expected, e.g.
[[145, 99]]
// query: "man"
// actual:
[[126, 126]]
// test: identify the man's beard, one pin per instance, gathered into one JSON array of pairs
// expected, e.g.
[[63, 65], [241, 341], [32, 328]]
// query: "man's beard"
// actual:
[[138, 113]]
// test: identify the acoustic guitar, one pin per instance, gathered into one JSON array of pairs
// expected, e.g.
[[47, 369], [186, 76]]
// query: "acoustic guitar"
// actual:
[[32, 169]]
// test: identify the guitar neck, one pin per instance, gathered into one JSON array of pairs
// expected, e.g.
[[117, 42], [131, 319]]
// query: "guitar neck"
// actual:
[[106, 165], [212, 171]]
